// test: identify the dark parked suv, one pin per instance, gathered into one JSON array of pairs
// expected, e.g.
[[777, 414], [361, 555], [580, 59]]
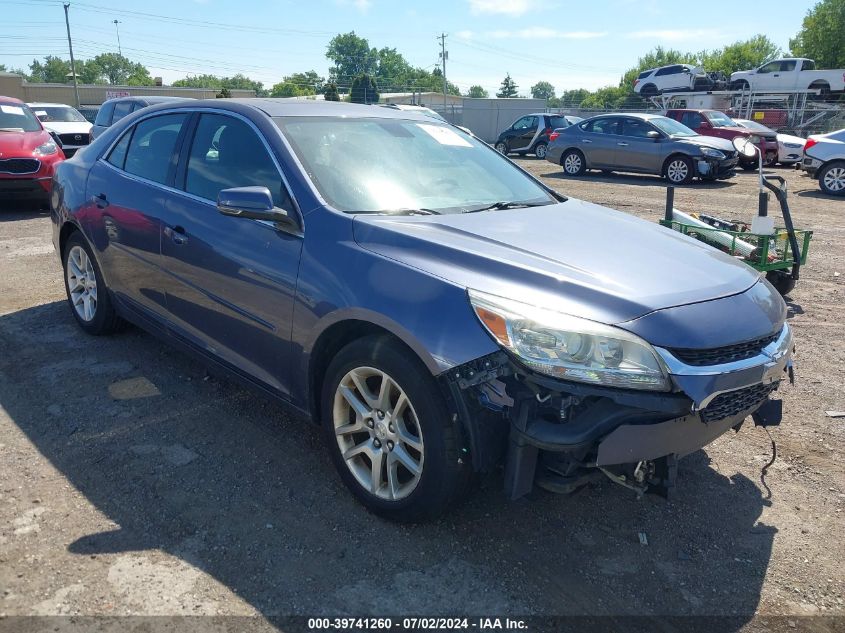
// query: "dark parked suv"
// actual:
[[114, 110], [530, 134], [434, 307]]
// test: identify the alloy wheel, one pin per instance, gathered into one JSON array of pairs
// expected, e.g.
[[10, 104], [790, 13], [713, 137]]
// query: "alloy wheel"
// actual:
[[834, 179], [378, 433], [82, 283], [502, 148], [572, 164], [677, 170], [540, 151]]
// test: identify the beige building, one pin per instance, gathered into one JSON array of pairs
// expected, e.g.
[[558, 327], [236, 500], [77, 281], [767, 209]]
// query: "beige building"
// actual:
[[12, 85]]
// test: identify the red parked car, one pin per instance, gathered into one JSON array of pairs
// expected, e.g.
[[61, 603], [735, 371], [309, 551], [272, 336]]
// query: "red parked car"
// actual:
[[719, 124], [28, 153]]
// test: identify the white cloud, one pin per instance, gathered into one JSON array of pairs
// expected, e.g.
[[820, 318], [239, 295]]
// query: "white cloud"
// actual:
[[465, 35], [544, 33], [361, 5], [508, 7], [675, 35]]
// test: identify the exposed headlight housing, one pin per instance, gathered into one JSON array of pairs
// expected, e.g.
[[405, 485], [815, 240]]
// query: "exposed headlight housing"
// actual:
[[754, 139], [46, 149], [712, 153], [570, 348]]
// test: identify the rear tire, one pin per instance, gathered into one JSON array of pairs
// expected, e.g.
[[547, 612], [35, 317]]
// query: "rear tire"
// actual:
[[573, 163], [740, 85], [679, 170], [87, 294], [540, 150], [649, 90], [832, 178], [389, 432]]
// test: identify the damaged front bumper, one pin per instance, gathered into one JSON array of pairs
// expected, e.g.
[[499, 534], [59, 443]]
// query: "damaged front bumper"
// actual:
[[560, 432], [709, 168]]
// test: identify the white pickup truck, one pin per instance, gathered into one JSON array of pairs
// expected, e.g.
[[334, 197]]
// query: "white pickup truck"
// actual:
[[789, 74]]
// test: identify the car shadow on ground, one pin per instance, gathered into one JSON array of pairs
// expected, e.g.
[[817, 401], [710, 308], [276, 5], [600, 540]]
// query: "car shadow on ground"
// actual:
[[12, 211], [633, 179], [202, 469]]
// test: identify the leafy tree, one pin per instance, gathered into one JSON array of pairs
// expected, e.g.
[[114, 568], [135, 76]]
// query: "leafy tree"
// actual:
[[364, 90], [330, 92], [821, 35], [199, 81], [236, 82], [393, 72], [573, 97], [89, 72], [477, 92], [224, 94], [117, 69], [508, 89], [54, 70], [742, 55], [543, 90], [287, 88], [351, 56], [612, 97], [309, 82]]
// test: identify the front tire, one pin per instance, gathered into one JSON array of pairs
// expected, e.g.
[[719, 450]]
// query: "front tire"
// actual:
[[832, 179], [679, 170], [502, 148], [86, 290], [573, 163], [389, 432]]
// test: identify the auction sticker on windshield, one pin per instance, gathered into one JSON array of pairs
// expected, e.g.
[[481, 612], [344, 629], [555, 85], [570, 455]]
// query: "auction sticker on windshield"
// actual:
[[8, 109], [444, 135]]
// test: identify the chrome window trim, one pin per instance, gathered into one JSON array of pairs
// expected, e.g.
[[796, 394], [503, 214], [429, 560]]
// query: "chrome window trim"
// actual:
[[774, 351], [199, 109]]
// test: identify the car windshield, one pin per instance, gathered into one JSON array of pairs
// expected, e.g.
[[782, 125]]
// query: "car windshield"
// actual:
[[57, 114], [753, 125], [671, 127], [391, 165], [719, 119], [14, 117]]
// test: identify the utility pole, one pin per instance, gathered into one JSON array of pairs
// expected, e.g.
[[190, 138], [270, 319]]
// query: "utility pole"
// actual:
[[72, 62], [444, 55], [117, 28]]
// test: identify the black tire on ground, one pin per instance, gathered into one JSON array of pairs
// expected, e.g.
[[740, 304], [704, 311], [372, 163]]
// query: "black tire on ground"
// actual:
[[502, 148], [446, 474], [748, 165], [104, 320], [573, 163], [832, 178], [540, 150], [782, 281], [679, 170]]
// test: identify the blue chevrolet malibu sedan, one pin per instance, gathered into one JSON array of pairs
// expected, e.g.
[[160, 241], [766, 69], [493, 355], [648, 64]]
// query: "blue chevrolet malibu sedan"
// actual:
[[436, 309]]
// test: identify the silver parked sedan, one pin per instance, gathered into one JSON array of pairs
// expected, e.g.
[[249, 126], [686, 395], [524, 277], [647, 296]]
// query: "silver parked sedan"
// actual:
[[643, 143]]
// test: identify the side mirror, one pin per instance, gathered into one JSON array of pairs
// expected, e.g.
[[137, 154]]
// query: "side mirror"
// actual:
[[654, 135], [56, 139], [744, 146], [254, 203]]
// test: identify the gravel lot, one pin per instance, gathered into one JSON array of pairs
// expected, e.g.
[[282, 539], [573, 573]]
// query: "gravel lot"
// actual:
[[132, 482]]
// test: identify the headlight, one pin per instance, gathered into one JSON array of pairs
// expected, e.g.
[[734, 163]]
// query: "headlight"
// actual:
[[46, 149], [754, 139], [712, 153], [569, 347]]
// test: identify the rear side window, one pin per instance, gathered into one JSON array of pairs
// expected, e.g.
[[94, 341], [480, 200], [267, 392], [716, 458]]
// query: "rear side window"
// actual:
[[104, 114], [645, 74], [121, 109], [226, 153], [808, 64], [669, 70], [602, 126], [150, 150], [788, 65]]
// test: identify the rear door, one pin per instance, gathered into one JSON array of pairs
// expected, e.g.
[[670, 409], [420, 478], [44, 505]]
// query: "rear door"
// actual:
[[599, 141], [127, 193], [231, 281], [635, 149]]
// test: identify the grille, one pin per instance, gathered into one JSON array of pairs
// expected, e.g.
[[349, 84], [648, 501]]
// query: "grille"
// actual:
[[19, 165], [721, 355], [733, 402], [74, 139]]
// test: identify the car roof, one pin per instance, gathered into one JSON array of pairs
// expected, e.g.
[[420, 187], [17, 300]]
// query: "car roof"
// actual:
[[150, 100], [11, 100], [645, 116]]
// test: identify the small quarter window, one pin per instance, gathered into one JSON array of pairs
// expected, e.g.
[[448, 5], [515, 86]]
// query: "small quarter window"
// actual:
[[117, 156]]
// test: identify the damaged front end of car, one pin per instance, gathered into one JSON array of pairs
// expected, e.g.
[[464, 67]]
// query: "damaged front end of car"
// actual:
[[561, 425]]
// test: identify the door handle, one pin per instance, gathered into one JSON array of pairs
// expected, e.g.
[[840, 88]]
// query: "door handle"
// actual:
[[101, 201], [622, 144], [176, 234], [586, 140]]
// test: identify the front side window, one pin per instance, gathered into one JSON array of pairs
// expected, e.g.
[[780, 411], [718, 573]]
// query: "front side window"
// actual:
[[15, 116], [692, 120], [636, 128], [227, 153], [771, 67], [150, 151], [671, 127], [390, 165], [525, 123]]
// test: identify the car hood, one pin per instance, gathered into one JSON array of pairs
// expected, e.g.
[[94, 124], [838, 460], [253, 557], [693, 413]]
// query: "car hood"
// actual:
[[21, 144], [715, 142], [68, 127], [748, 132], [574, 257]]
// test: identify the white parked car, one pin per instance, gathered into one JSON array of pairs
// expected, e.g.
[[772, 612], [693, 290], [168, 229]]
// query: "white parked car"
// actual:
[[824, 159], [73, 129], [790, 148], [673, 78], [789, 74]]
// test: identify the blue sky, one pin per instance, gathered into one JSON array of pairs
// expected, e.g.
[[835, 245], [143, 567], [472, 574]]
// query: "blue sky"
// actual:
[[570, 44]]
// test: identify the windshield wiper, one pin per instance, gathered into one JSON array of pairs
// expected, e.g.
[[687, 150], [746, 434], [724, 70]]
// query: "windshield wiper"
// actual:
[[421, 211], [501, 206]]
